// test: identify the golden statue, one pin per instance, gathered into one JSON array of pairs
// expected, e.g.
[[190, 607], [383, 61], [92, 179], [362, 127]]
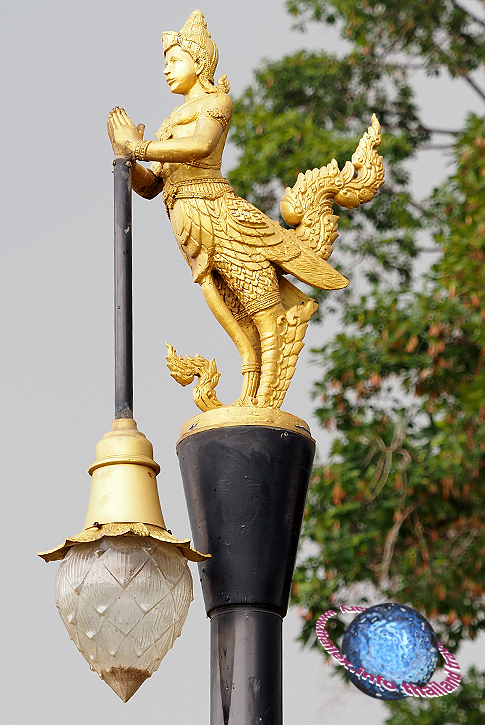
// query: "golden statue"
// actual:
[[237, 254]]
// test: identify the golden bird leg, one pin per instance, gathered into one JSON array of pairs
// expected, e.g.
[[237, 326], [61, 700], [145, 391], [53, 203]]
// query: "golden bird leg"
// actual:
[[250, 365], [269, 331]]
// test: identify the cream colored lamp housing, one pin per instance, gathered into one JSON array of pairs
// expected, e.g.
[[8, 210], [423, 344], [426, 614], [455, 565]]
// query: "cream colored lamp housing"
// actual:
[[123, 588]]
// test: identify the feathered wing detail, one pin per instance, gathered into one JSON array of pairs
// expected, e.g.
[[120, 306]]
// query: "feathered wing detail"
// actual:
[[243, 215], [310, 268], [309, 204], [250, 238]]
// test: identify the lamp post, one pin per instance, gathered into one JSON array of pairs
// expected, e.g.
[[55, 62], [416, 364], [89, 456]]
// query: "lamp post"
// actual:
[[245, 467], [245, 483], [123, 588]]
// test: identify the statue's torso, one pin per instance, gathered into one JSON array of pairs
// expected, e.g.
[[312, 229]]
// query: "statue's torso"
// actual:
[[184, 185], [182, 123]]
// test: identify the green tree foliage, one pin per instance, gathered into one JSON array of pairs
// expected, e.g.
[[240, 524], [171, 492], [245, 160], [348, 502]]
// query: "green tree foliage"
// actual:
[[306, 108], [402, 504], [398, 513], [466, 706], [439, 33]]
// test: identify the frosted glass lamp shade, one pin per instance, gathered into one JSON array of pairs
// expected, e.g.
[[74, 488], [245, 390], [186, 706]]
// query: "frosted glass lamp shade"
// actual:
[[124, 601]]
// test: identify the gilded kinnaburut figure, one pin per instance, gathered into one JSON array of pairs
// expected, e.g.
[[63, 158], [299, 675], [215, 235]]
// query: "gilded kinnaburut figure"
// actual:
[[238, 255]]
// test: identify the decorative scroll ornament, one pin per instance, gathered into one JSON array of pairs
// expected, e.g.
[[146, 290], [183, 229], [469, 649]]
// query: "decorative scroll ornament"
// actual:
[[184, 370], [309, 204]]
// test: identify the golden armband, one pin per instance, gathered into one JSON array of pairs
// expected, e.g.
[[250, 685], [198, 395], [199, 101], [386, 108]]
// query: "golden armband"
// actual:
[[140, 150]]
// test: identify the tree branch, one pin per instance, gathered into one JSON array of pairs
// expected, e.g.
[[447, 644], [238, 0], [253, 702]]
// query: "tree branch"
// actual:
[[387, 189], [460, 549], [391, 541], [466, 77], [437, 147], [441, 130], [476, 88], [468, 13], [419, 531]]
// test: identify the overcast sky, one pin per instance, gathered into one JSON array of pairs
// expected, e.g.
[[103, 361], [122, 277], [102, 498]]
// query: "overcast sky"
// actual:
[[66, 64]]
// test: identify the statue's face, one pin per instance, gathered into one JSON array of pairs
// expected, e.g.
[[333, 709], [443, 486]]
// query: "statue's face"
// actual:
[[181, 71]]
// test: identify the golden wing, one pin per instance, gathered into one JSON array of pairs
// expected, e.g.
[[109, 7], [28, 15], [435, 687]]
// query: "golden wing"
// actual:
[[249, 235]]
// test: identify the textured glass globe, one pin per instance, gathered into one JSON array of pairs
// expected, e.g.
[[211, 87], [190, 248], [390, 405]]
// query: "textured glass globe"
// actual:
[[124, 600], [393, 641]]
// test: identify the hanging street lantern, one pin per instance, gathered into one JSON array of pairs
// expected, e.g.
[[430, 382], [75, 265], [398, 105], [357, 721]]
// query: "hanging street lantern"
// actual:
[[123, 587], [124, 601]]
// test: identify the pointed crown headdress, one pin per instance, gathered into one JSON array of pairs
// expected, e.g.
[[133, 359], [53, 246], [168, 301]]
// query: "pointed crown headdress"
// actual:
[[196, 40]]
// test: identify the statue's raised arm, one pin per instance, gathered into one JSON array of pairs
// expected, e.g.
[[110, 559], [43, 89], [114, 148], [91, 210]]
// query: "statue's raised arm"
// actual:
[[237, 254]]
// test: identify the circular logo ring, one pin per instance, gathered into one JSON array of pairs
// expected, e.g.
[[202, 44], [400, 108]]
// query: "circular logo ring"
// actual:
[[432, 689]]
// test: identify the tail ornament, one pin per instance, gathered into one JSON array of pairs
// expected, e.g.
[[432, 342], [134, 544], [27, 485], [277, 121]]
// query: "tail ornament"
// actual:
[[184, 370], [309, 204]]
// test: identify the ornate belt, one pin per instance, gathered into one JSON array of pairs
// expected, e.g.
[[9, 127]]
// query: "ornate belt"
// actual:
[[194, 188]]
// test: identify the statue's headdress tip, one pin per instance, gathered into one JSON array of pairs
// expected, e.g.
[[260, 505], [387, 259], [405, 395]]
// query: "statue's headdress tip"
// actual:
[[197, 16], [195, 24]]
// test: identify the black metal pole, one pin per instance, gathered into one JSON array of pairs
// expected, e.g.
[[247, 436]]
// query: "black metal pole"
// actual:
[[123, 289], [245, 488], [246, 666]]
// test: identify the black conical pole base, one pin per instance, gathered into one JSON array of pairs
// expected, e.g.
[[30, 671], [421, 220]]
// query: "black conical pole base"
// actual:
[[245, 488]]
